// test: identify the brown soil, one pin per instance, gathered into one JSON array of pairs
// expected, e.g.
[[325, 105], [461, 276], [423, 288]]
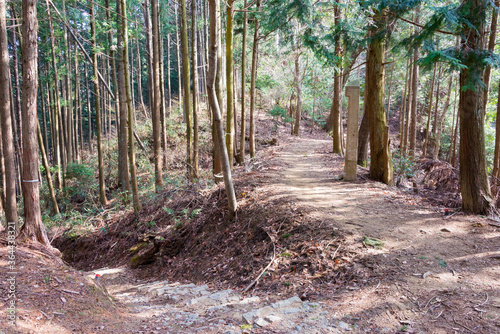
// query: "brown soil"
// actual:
[[433, 274]]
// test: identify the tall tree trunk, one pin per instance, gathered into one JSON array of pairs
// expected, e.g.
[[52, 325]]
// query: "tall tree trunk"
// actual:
[[363, 137], [130, 108], [381, 160], [439, 124], [214, 105], [89, 111], [253, 79], [429, 110], [46, 166], [6, 124], [169, 84], [45, 133], [194, 53], [121, 102], [337, 97], [491, 48], [388, 111], [186, 80], [217, 155], [408, 110], [33, 228], [243, 100], [57, 106], [156, 105], [102, 186], [68, 95], [474, 184], [178, 49], [17, 88], [2, 177], [496, 157], [414, 105], [139, 77], [453, 157], [230, 126], [298, 88], [453, 121], [149, 53], [402, 113], [164, 113], [78, 112]]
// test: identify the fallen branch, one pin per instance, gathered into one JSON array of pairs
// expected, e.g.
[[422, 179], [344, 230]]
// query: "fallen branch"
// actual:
[[335, 253], [139, 141], [70, 291], [263, 271]]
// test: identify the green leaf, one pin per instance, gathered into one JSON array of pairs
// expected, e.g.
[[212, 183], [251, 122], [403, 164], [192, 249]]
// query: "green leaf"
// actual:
[[375, 243]]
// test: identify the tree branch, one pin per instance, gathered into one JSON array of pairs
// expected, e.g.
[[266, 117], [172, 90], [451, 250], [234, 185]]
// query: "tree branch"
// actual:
[[421, 26]]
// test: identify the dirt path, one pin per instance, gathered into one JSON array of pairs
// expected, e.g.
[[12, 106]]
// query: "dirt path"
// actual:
[[434, 273]]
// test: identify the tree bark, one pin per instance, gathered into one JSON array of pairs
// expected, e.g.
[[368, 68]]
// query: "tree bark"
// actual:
[[402, 113], [217, 158], [337, 91], [46, 166], [491, 48], [33, 228], [214, 105], [429, 110], [149, 54], [474, 184], [253, 79], [381, 160], [298, 88], [57, 111], [440, 120], [186, 80], [496, 157], [16, 117], [121, 100], [6, 124], [156, 105], [363, 137], [243, 99], [194, 55], [230, 126], [414, 105], [169, 84], [130, 108], [97, 103], [139, 77]]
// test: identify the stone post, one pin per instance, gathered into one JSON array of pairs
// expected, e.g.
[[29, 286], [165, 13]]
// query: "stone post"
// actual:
[[352, 92]]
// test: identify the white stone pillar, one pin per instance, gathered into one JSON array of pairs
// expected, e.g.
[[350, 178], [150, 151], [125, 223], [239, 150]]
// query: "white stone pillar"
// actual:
[[351, 156]]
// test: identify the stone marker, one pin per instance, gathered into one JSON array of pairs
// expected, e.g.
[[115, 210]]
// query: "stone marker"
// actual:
[[351, 156]]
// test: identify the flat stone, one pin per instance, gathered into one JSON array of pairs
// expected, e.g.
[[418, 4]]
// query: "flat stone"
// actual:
[[199, 300], [249, 317], [250, 300], [287, 302], [344, 326], [292, 310], [261, 322], [199, 288], [272, 318], [218, 296]]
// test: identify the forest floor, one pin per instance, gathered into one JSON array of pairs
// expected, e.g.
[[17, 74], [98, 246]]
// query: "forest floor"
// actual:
[[336, 257]]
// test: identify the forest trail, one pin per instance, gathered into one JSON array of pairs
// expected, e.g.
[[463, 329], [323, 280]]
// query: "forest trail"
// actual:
[[433, 271], [431, 274], [351, 257]]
